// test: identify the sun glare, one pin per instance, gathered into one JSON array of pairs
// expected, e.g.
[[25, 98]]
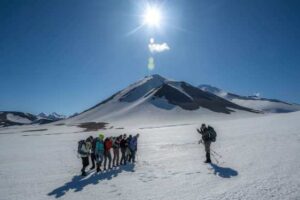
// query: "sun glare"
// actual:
[[152, 17]]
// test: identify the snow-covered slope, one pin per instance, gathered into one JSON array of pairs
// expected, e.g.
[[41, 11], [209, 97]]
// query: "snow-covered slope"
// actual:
[[253, 158], [254, 102], [157, 96]]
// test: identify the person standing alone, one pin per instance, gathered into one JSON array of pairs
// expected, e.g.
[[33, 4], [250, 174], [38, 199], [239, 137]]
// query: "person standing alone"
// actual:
[[208, 135]]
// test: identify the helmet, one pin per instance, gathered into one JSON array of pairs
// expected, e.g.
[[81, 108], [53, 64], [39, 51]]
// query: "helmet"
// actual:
[[101, 136]]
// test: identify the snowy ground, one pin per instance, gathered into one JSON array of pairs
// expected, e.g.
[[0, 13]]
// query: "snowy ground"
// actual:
[[254, 158]]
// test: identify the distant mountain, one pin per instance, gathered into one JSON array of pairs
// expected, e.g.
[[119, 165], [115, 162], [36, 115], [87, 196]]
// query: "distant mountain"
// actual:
[[55, 116], [9, 118], [52, 116], [157, 94], [254, 101], [42, 115]]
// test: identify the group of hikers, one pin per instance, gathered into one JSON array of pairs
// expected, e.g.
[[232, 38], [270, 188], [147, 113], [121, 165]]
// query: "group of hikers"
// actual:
[[108, 150], [99, 149]]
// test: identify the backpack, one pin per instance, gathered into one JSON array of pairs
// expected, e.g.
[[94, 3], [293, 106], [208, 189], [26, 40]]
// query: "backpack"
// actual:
[[80, 143], [211, 134]]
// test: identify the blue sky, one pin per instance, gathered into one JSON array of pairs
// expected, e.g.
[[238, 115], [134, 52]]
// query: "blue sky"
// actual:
[[66, 56]]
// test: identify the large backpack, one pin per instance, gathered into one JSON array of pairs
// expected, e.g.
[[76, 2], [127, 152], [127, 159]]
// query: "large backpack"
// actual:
[[211, 134], [80, 143]]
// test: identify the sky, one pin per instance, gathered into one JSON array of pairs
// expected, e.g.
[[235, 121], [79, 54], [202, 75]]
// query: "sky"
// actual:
[[66, 56]]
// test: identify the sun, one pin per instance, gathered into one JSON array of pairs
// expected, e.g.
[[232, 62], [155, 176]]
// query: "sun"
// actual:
[[152, 16]]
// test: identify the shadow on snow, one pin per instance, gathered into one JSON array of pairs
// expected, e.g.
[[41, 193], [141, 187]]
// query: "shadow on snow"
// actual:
[[79, 182], [224, 172]]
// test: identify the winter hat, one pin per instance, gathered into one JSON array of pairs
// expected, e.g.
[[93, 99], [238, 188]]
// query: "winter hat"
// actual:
[[101, 136]]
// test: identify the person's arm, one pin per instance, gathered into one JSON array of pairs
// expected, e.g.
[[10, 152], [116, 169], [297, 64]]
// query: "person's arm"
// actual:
[[199, 131], [84, 150]]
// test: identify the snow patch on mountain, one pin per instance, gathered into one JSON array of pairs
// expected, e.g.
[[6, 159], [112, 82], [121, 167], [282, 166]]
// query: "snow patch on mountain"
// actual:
[[255, 101], [17, 119]]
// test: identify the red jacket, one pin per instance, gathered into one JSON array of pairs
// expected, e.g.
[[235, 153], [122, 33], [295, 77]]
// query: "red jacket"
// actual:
[[107, 145]]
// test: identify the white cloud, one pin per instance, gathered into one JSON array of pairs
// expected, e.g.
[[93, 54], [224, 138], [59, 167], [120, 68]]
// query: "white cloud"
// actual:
[[157, 48]]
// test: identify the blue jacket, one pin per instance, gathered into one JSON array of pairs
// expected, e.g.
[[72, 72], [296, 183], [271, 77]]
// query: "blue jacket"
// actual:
[[99, 147], [133, 144]]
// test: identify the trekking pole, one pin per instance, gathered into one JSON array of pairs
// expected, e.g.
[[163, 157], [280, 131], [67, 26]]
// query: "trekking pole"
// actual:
[[216, 153], [213, 155]]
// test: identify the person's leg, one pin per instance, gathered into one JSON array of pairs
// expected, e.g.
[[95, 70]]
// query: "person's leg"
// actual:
[[83, 166], [105, 159], [118, 156], [115, 157], [93, 158], [123, 156], [85, 163], [133, 156], [98, 162], [128, 155], [109, 160], [207, 150]]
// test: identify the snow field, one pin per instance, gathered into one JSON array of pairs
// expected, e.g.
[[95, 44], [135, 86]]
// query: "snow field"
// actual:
[[254, 158]]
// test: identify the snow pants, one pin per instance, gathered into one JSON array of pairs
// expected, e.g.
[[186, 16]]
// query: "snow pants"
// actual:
[[85, 163], [99, 159], [207, 150], [128, 154], [207, 146], [107, 156], [93, 158], [123, 157], [132, 156], [116, 158]]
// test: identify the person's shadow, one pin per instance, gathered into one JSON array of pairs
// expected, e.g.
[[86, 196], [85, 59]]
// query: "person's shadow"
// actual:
[[224, 172], [79, 182]]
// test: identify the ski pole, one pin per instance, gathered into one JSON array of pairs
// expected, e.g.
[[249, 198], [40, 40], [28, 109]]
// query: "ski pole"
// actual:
[[216, 153]]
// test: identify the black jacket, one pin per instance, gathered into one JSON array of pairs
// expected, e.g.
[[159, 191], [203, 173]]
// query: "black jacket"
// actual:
[[123, 143]]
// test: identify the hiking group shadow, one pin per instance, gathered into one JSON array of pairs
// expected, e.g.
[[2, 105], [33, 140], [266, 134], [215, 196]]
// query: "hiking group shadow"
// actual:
[[79, 182], [224, 172]]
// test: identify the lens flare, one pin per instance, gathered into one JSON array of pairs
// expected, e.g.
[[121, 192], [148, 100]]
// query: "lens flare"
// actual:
[[151, 64]]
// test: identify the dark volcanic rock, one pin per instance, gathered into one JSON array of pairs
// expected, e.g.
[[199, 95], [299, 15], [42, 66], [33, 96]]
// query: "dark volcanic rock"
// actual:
[[193, 98]]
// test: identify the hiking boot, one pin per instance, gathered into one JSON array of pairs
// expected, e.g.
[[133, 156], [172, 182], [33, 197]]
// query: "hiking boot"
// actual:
[[208, 158], [93, 167]]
